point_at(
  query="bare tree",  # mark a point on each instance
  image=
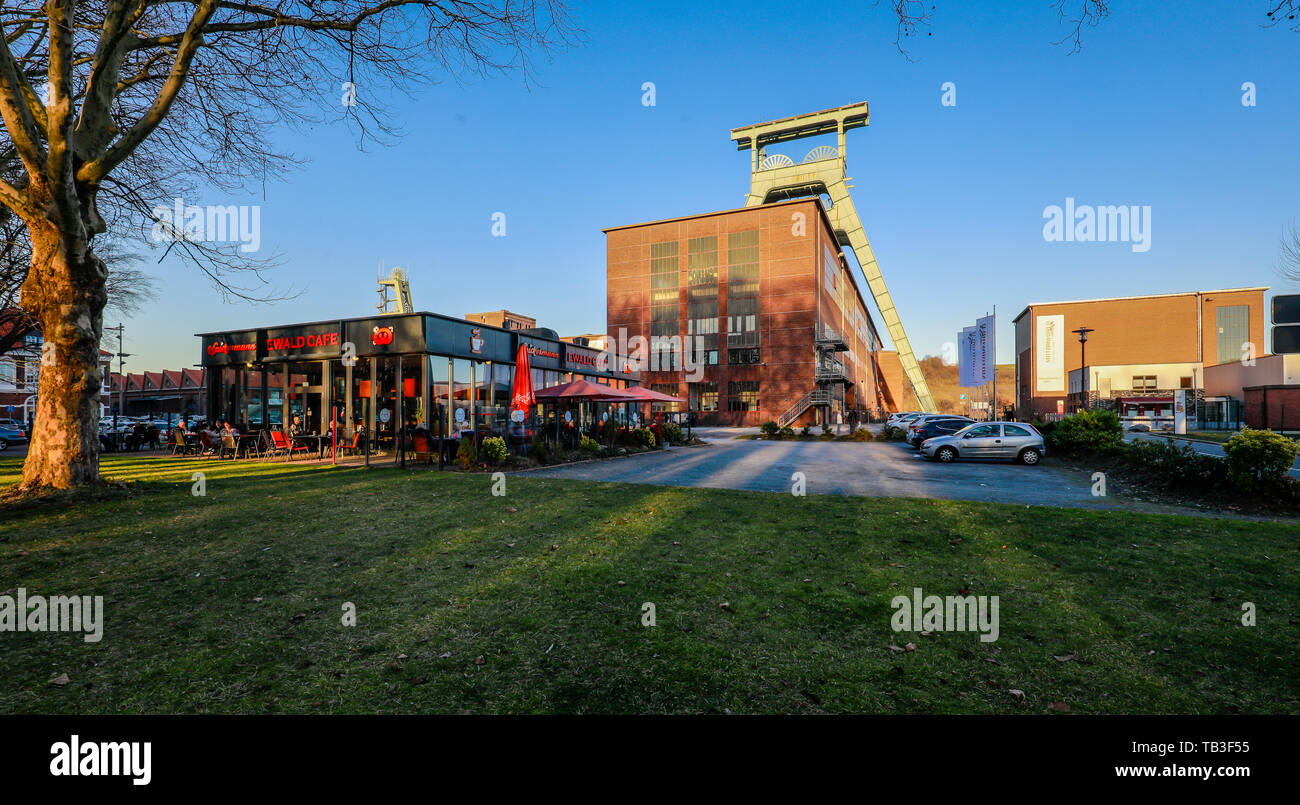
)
(1288, 260)
(113, 106)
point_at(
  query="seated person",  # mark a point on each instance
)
(295, 428)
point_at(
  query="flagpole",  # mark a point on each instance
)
(995, 361)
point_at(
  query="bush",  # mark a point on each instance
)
(1256, 457)
(466, 454)
(673, 433)
(494, 449)
(861, 435)
(644, 437)
(590, 445)
(770, 429)
(806, 432)
(1086, 431)
(537, 450)
(1177, 467)
(893, 433)
(786, 433)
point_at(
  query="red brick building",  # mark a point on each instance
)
(1139, 350)
(765, 296)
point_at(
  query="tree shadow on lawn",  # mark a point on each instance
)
(445, 573)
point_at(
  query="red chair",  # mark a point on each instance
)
(354, 447)
(282, 443)
(420, 446)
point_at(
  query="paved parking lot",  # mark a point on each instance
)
(872, 469)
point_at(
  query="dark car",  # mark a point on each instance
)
(939, 427)
(10, 435)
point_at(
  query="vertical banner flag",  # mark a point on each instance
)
(967, 352)
(985, 364)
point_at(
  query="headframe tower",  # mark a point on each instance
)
(823, 170)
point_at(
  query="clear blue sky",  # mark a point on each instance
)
(952, 199)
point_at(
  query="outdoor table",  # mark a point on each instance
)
(320, 441)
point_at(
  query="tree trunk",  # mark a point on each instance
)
(65, 291)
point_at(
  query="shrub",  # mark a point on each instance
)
(861, 435)
(537, 450)
(673, 433)
(1086, 431)
(644, 437)
(1256, 457)
(786, 432)
(494, 449)
(466, 454)
(770, 429)
(1176, 466)
(806, 432)
(590, 445)
(893, 433)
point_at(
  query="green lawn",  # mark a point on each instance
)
(532, 602)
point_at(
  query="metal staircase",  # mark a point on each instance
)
(809, 400)
(823, 170)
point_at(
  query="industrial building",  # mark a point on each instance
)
(1134, 353)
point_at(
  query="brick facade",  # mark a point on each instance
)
(1160, 329)
(793, 244)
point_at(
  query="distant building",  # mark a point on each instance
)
(170, 394)
(1265, 394)
(1139, 351)
(20, 365)
(503, 319)
(593, 340)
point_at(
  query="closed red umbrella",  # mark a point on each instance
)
(521, 390)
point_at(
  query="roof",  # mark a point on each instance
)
(1143, 296)
(607, 230)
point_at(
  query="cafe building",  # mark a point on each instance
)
(424, 370)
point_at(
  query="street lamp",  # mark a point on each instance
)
(1083, 361)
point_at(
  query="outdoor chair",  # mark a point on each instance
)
(179, 447)
(354, 446)
(269, 447)
(206, 445)
(420, 446)
(229, 444)
(288, 445)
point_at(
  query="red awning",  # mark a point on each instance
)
(1147, 400)
(584, 390)
(642, 394)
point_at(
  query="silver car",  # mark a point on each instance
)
(1006, 440)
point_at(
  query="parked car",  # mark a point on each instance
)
(1016, 441)
(10, 436)
(898, 415)
(937, 426)
(1139, 428)
(912, 427)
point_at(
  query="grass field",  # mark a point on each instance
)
(532, 602)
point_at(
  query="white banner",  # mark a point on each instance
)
(986, 351)
(966, 353)
(1049, 348)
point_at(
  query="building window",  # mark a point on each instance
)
(664, 282)
(742, 395)
(831, 271)
(1144, 382)
(1233, 329)
(665, 388)
(738, 357)
(1184, 382)
(704, 396)
(702, 292)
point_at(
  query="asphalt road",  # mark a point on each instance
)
(871, 469)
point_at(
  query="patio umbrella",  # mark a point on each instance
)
(521, 389)
(582, 390)
(643, 394)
